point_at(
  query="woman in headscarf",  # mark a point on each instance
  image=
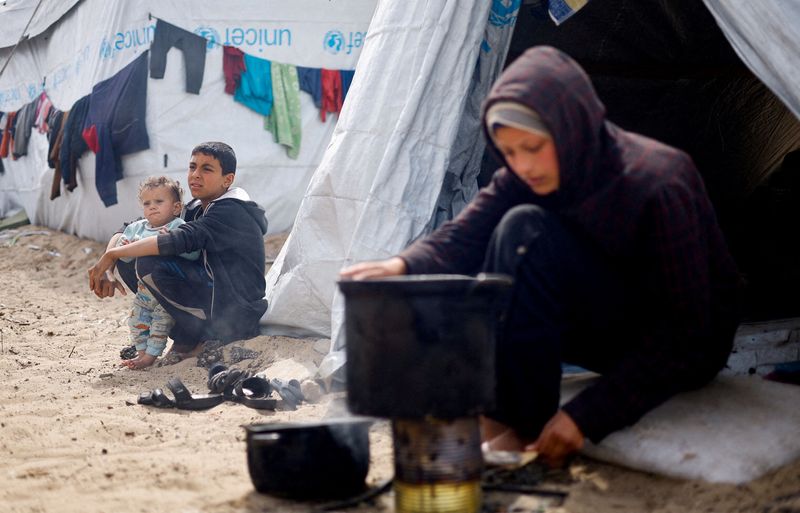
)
(619, 263)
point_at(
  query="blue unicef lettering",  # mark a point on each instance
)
(209, 33)
(333, 42)
(336, 42)
(257, 38)
(504, 12)
(142, 36)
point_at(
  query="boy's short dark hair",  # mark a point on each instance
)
(220, 151)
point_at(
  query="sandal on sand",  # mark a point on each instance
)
(184, 400)
(241, 387)
(156, 398)
(289, 391)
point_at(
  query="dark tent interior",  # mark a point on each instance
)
(664, 69)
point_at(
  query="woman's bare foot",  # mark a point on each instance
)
(142, 361)
(508, 440)
(179, 353)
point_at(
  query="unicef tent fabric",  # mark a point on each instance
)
(92, 40)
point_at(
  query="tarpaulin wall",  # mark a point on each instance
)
(385, 175)
(97, 38)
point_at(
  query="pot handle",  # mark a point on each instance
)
(490, 281)
(267, 438)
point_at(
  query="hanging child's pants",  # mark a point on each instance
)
(192, 46)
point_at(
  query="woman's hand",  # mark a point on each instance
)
(559, 438)
(394, 266)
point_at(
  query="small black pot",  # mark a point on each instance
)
(325, 460)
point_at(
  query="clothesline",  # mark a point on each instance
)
(150, 16)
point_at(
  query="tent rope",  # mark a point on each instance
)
(21, 37)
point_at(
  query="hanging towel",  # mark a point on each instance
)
(115, 124)
(192, 46)
(232, 67)
(72, 143)
(255, 87)
(331, 92)
(284, 122)
(311, 82)
(347, 79)
(22, 134)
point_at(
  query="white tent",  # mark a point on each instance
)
(72, 45)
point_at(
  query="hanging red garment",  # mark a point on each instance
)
(8, 141)
(232, 67)
(331, 92)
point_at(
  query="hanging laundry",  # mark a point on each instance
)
(331, 92)
(8, 135)
(53, 160)
(255, 86)
(115, 124)
(194, 53)
(43, 107)
(72, 144)
(284, 122)
(347, 79)
(232, 67)
(55, 126)
(311, 82)
(24, 125)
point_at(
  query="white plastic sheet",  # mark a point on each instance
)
(404, 156)
(734, 430)
(15, 15)
(377, 185)
(767, 38)
(98, 38)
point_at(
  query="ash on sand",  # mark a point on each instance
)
(70, 443)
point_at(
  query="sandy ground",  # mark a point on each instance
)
(73, 439)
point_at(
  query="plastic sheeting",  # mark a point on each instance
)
(733, 430)
(377, 186)
(767, 39)
(16, 14)
(98, 38)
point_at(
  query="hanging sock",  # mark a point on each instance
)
(331, 92)
(255, 86)
(284, 122)
(192, 46)
(232, 67)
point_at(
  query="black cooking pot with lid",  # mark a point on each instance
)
(320, 460)
(420, 345)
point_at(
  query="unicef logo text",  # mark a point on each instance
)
(209, 33)
(333, 42)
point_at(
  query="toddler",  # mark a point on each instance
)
(161, 200)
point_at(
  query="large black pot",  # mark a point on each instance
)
(325, 460)
(422, 345)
